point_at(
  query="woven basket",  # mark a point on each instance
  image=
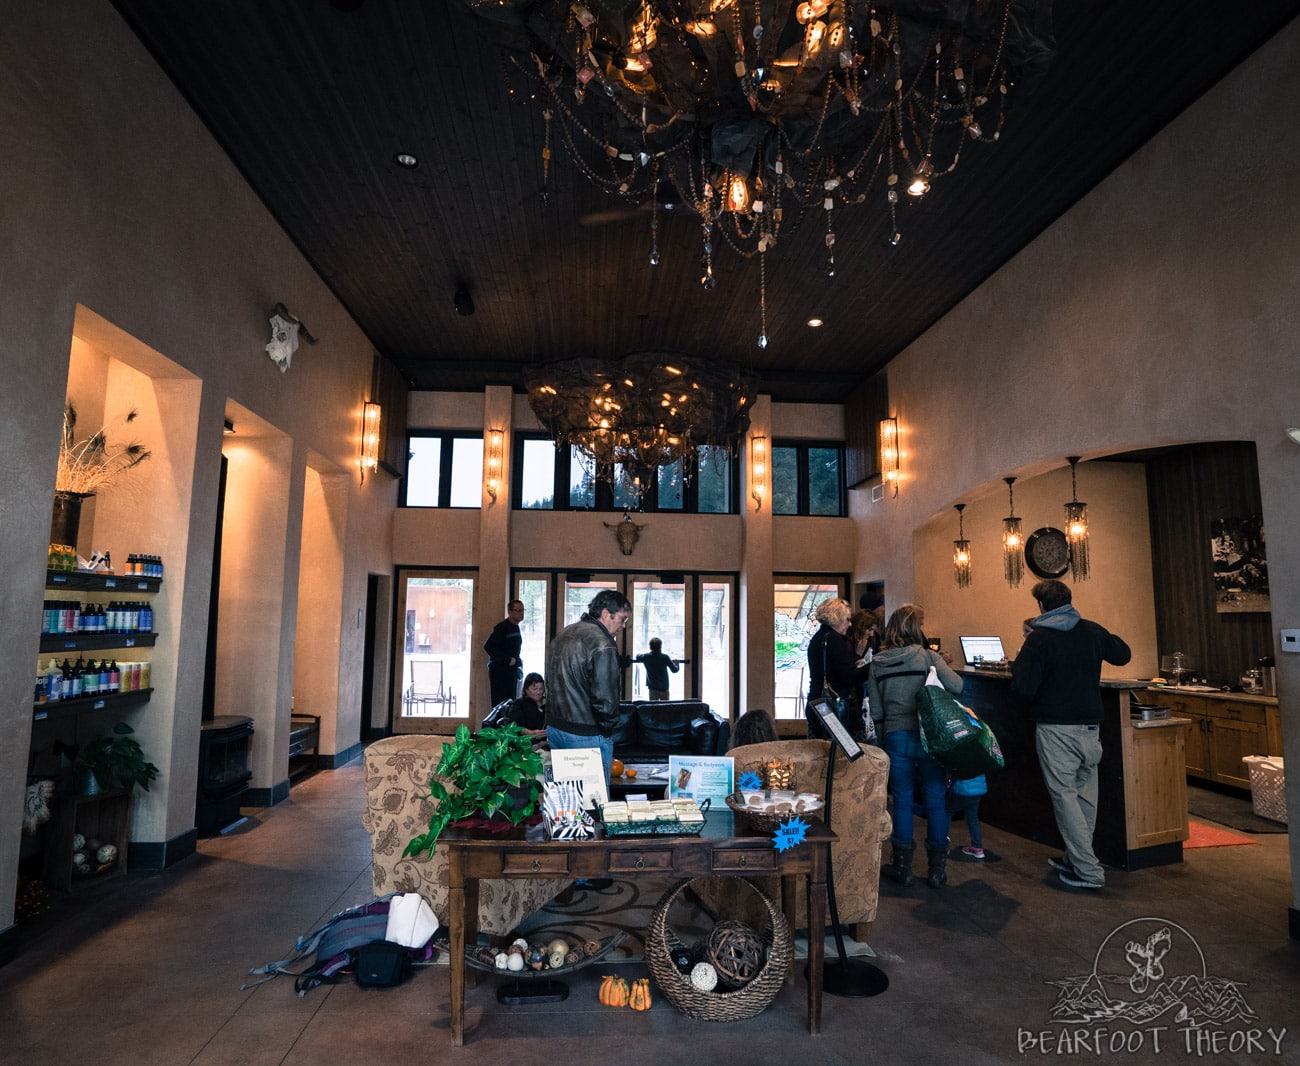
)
(718, 1006)
(765, 821)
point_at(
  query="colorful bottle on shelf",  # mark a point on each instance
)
(53, 682)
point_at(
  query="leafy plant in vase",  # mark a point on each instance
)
(492, 773)
(114, 761)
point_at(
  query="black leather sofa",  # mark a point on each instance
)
(651, 730)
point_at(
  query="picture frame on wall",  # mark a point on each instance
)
(1240, 564)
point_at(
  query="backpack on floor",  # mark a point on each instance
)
(332, 948)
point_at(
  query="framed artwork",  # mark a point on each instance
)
(1240, 565)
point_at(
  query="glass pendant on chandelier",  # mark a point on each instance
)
(961, 551)
(754, 114)
(630, 418)
(1013, 542)
(1076, 526)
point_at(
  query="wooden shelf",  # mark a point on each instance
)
(100, 581)
(45, 712)
(105, 817)
(55, 642)
(304, 743)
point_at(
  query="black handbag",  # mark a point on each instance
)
(382, 964)
(846, 709)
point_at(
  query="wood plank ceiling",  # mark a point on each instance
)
(312, 99)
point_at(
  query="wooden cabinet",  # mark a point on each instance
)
(1223, 730)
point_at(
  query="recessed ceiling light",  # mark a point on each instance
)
(405, 159)
(814, 322)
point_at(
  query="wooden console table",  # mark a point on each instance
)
(718, 850)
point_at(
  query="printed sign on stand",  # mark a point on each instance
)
(701, 777)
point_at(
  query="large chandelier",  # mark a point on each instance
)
(627, 417)
(760, 114)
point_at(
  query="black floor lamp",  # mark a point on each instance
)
(841, 976)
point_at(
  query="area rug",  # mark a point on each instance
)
(585, 913)
(1234, 811)
(1211, 836)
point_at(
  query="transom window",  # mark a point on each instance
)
(808, 478)
(444, 469)
(557, 479)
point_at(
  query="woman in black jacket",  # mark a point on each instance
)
(832, 662)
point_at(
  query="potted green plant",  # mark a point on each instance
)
(114, 761)
(494, 773)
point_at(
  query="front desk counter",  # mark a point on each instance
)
(1142, 791)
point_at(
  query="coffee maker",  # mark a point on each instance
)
(1267, 675)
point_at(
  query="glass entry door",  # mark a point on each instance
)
(693, 615)
(659, 612)
(796, 622)
(435, 609)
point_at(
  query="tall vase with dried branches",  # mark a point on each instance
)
(86, 467)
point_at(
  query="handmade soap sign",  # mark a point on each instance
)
(1240, 566)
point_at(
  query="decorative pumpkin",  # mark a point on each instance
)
(616, 768)
(613, 991)
(639, 999)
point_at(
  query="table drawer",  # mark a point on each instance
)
(539, 863)
(744, 861)
(633, 861)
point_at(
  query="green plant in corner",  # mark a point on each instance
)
(117, 760)
(487, 773)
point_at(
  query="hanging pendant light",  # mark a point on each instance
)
(1013, 542)
(1076, 527)
(961, 551)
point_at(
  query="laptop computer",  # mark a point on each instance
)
(982, 650)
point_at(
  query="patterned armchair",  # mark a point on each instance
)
(398, 769)
(858, 816)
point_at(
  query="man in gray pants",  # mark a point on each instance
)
(1058, 674)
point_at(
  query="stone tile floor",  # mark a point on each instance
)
(147, 968)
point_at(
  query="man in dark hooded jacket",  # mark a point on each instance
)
(1058, 674)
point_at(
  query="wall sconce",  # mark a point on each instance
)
(492, 465)
(759, 480)
(371, 418)
(1013, 542)
(1076, 527)
(889, 455)
(961, 551)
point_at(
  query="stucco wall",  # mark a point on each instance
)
(118, 202)
(1161, 309)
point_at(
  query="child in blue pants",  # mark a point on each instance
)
(966, 793)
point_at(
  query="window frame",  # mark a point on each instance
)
(604, 501)
(803, 502)
(446, 456)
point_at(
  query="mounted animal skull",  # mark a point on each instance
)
(627, 533)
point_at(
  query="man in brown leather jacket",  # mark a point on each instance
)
(584, 678)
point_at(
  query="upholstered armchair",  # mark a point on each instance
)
(858, 817)
(398, 807)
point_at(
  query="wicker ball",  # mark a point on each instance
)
(736, 952)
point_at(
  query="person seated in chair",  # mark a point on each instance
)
(754, 727)
(528, 712)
